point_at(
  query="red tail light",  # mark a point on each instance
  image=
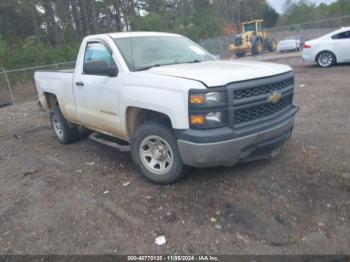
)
(307, 46)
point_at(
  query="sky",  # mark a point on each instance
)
(278, 4)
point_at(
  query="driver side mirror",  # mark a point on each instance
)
(100, 68)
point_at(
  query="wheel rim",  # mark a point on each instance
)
(156, 155)
(57, 127)
(325, 59)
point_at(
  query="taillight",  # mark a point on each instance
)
(307, 46)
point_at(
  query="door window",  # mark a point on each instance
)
(98, 60)
(97, 52)
(344, 35)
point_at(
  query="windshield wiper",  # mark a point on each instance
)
(193, 61)
(147, 67)
(155, 65)
(158, 65)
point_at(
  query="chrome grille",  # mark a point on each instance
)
(262, 90)
(255, 112)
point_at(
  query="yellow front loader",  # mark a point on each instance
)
(253, 39)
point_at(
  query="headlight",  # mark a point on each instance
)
(208, 99)
(208, 120)
(207, 108)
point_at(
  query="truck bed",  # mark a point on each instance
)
(71, 71)
(55, 82)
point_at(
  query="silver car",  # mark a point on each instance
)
(292, 43)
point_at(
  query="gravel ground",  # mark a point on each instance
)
(86, 198)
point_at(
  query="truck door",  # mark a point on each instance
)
(96, 89)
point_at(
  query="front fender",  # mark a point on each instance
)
(172, 103)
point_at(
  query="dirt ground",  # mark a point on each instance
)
(86, 198)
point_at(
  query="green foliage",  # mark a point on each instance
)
(305, 11)
(205, 22)
(149, 22)
(36, 32)
(32, 51)
(269, 15)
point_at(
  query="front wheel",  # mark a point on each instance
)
(258, 47)
(326, 59)
(240, 54)
(155, 154)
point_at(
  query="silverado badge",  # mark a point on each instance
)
(275, 97)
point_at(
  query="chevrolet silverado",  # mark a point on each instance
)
(170, 103)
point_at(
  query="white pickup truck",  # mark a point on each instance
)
(170, 102)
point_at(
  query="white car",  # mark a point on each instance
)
(330, 49)
(293, 43)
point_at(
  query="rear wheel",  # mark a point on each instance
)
(155, 154)
(272, 45)
(64, 133)
(326, 59)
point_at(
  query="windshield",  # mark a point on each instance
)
(142, 53)
(249, 27)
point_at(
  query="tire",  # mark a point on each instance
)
(271, 45)
(240, 54)
(63, 132)
(155, 154)
(326, 59)
(257, 47)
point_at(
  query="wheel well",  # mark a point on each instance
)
(136, 116)
(326, 51)
(51, 100)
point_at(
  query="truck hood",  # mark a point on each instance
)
(219, 73)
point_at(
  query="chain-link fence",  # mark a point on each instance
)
(218, 46)
(310, 30)
(306, 31)
(18, 86)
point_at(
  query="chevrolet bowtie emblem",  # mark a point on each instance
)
(275, 98)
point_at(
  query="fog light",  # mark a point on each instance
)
(197, 119)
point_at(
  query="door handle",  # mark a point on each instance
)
(80, 84)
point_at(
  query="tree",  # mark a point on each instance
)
(58, 25)
(94, 22)
(52, 26)
(76, 17)
(269, 15)
(85, 16)
(34, 16)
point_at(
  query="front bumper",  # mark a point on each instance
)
(259, 145)
(309, 55)
(308, 58)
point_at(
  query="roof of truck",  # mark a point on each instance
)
(139, 34)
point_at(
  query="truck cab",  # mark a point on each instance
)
(170, 102)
